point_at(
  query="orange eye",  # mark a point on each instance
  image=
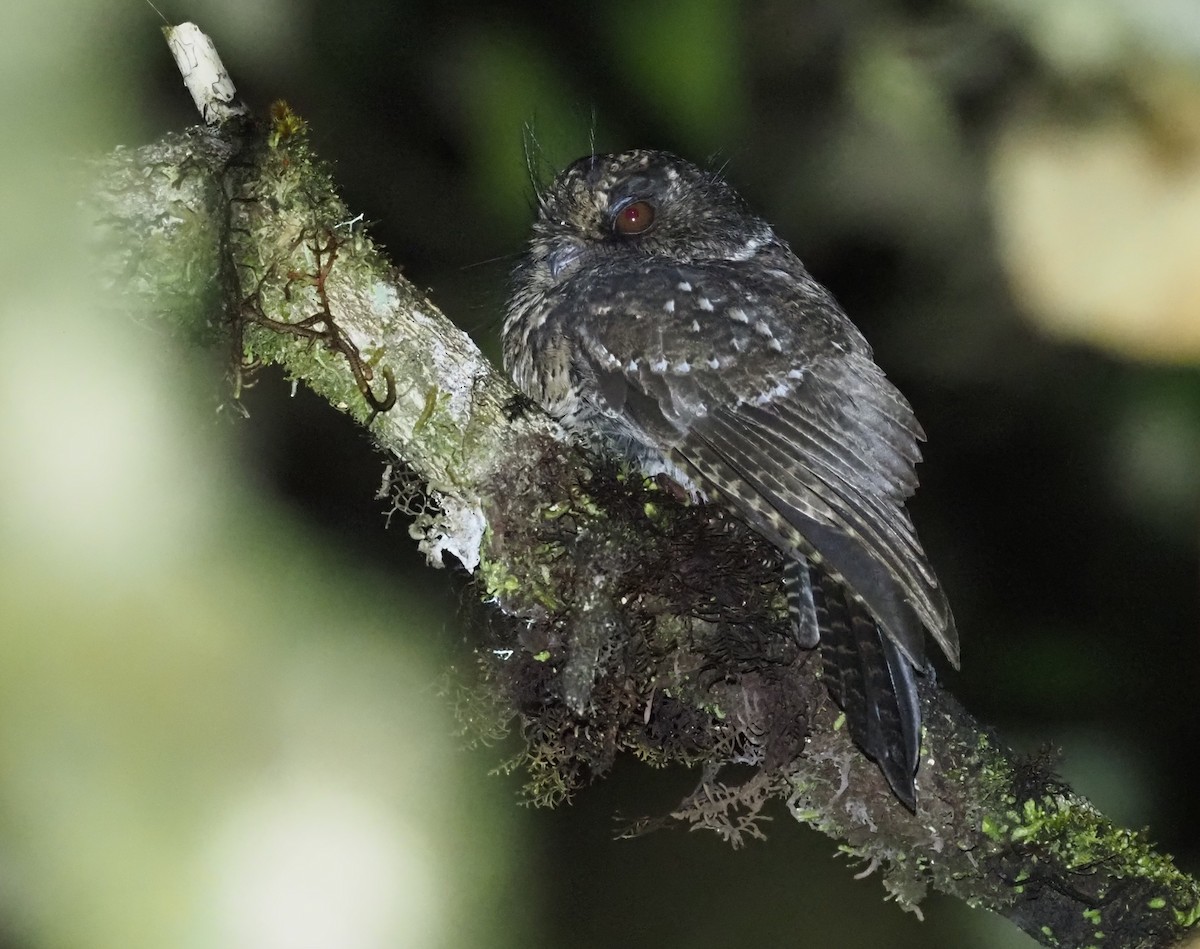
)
(635, 218)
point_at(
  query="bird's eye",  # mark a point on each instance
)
(635, 218)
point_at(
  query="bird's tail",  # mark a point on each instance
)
(873, 682)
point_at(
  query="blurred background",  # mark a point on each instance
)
(220, 717)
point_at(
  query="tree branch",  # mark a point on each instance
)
(624, 620)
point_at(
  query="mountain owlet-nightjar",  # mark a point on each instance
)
(655, 312)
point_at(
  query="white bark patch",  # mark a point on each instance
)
(454, 528)
(204, 74)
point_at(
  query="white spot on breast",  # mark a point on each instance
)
(631, 366)
(775, 345)
(659, 365)
(762, 329)
(739, 343)
(773, 394)
(713, 362)
(738, 315)
(695, 326)
(705, 304)
(607, 359)
(669, 306)
(682, 368)
(795, 374)
(684, 286)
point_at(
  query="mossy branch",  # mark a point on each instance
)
(626, 621)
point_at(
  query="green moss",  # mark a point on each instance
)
(520, 588)
(1187, 916)
(1068, 832)
(432, 397)
(287, 128)
(992, 829)
(552, 512)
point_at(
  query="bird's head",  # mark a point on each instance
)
(641, 203)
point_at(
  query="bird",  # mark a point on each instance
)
(656, 315)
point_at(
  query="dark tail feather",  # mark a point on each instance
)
(874, 684)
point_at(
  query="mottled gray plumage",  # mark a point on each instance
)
(698, 346)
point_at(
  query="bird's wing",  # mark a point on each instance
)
(764, 392)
